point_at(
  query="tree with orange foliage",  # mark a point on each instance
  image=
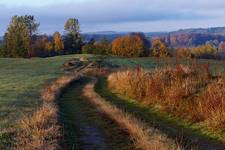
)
(57, 42)
(128, 46)
(183, 53)
(159, 49)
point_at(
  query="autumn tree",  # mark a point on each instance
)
(204, 51)
(73, 39)
(128, 46)
(17, 38)
(183, 53)
(57, 42)
(159, 49)
(42, 46)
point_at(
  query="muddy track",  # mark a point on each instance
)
(144, 137)
(89, 125)
(84, 126)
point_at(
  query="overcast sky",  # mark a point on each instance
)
(117, 15)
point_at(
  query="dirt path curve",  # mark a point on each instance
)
(145, 138)
(84, 127)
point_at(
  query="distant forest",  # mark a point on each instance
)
(180, 38)
(22, 39)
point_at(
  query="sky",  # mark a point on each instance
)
(117, 15)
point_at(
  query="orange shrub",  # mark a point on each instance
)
(183, 53)
(128, 46)
(187, 92)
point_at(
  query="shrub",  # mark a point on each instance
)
(186, 92)
(183, 53)
(159, 49)
(129, 46)
(88, 49)
(102, 47)
(204, 51)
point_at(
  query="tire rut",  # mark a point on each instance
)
(84, 127)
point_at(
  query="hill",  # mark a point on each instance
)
(181, 38)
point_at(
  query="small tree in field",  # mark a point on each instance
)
(183, 53)
(57, 42)
(73, 39)
(128, 46)
(159, 49)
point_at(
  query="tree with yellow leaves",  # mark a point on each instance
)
(204, 51)
(57, 42)
(159, 49)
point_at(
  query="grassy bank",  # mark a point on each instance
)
(190, 135)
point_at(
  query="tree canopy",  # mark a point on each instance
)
(128, 46)
(17, 38)
(73, 39)
(57, 42)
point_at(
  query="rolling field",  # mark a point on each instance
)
(21, 81)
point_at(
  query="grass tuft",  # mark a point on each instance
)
(41, 130)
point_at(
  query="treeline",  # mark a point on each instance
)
(137, 45)
(22, 39)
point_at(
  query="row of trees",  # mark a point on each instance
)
(203, 51)
(136, 45)
(22, 39)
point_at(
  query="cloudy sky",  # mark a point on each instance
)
(117, 15)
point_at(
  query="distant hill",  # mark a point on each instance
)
(180, 38)
(216, 31)
(104, 34)
(191, 39)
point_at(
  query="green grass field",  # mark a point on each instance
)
(20, 83)
(22, 79)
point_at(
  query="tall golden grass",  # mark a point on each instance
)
(187, 92)
(41, 130)
(144, 137)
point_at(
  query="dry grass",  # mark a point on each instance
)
(41, 130)
(144, 137)
(211, 105)
(187, 92)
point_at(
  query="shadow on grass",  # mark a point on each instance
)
(186, 134)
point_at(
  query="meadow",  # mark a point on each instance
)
(21, 81)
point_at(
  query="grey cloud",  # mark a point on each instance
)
(102, 13)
